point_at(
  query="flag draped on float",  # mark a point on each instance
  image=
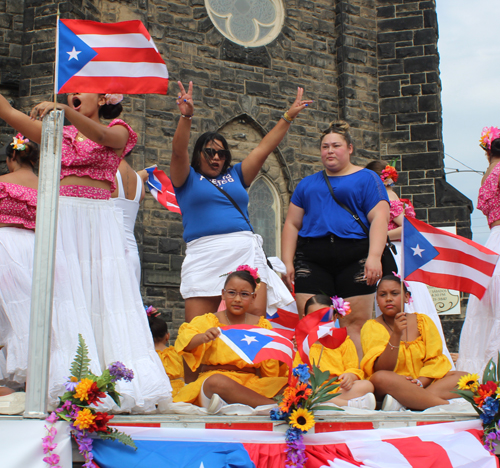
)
(318, 326)
(161, 188)
(439, 258)
(255, 344)
(95, 57)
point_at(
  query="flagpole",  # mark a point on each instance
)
(403, 267)
(320, 354)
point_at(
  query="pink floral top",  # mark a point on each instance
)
(489, 196)
(397, 207)
(18, 205)
(87, 158)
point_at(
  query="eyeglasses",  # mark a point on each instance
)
(245, 295)
(222, 153)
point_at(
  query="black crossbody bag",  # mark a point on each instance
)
(388, 263)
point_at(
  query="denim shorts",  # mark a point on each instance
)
(331, 265)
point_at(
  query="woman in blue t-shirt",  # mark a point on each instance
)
(218, 234)
(325, 250)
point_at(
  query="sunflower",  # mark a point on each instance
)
(468, 382)
(302, 419)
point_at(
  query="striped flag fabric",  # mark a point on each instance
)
(160, 186)
(438, 258)
(284, 319)
(318, 326)
(97, 57)
(255, 344)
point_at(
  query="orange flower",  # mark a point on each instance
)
(302, 392)
(85, 419)
(483, 394)
(83, 388)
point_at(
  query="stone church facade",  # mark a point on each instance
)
(373, 63)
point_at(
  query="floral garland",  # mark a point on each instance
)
(19, 142)
(306, 393)
(82, 390)
(485, 398)
(487, 136)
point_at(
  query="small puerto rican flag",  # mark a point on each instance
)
(255, 344)
(161, 188)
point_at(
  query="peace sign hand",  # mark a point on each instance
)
(185, 100)
(298, 105)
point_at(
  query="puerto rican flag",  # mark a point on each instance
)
(160, 186)
(438, 258)
(255, 344)
(446, 445)
(284, 319)
(95, 57)
(318, 326)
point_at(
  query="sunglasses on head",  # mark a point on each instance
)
(222, 153)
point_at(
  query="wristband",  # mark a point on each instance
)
(189, 117)
(392, 347)
(287, 118)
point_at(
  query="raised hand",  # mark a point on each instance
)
(298, 104)
(185, 99)
(42, 109)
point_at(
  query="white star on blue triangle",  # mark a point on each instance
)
(249, 342)
(68, 42)
(417, 249)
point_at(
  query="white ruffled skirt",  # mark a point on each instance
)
(421, 302)
(110, 313)
(480, 337)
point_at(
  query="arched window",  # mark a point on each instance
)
(264, 210)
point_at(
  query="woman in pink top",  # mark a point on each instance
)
(91, 239)
(421, 300)
(480, 337)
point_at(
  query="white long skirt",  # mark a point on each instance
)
(91, 240)
(480, 337)
(209, 258)
(421, 302)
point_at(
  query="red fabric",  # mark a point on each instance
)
(422, 454)
(319, 455)
(267, 455)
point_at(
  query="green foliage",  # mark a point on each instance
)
(125, 439)
(80, 365)
(490, 372)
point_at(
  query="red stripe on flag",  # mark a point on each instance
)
(119, 85)
(448, 282)
(421, 454)
(241, 426)
(93, 27)
(286, 318)
(341, 426)
(456, 256)
(130, 54)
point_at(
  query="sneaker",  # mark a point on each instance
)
(367, 402)
(216, 403)
(391, 404)
(13, 403)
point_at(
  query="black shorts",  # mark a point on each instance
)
(331, 265)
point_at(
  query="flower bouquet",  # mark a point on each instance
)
(84, 389)
(484, 397)
(306, 393)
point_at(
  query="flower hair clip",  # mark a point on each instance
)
(254, 273)
(340, 306)
(487, 136)
(407, 285)
(151, 311)
(389, 174)
(113, 99)
(19, 142)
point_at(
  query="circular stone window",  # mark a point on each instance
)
(250, 23)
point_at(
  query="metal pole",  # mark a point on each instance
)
(42, 290)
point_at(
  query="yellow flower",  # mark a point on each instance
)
(468, 382)
(82, 389)
(302, 419)
(85, 419)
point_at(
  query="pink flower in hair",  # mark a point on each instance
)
(487, 136)
(113, 98)
(254, 272)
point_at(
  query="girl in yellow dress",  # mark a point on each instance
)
(403, 355)
(341, 362)
(224, 377)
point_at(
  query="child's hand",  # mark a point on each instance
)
(400, 323)
(415, 381)
(347, 380)
(211, 334)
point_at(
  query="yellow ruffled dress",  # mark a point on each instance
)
(217, 352)
(337, 361)
(174, 368)
(422, 357)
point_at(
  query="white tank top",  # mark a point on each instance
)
(130, 208)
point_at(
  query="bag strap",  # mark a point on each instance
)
(354, 215)
(233, 202)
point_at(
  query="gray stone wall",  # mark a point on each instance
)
(373, 63)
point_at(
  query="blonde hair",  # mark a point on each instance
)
(340, 127)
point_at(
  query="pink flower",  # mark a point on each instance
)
(48, 446)
(52, 418)
(113, 98)
(52, 460)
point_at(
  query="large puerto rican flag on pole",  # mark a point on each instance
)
(108, 58)
(255, 344)
(160, 186)
(438, 258)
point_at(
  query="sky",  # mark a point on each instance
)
(469, 49)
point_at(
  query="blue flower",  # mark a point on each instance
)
(276, 414)
(293, 434)
(302, 372)
(490, 410)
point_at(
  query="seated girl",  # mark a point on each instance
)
(170, 359)
(224, 377)
(341, 362)
(403, 354)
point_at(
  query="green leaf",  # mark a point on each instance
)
(119, 436)
(490, 371)
(115, 395)
(327, 407)
(80, 365)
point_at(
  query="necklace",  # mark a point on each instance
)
(229, 322)
(390, 328)
(80, 137)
